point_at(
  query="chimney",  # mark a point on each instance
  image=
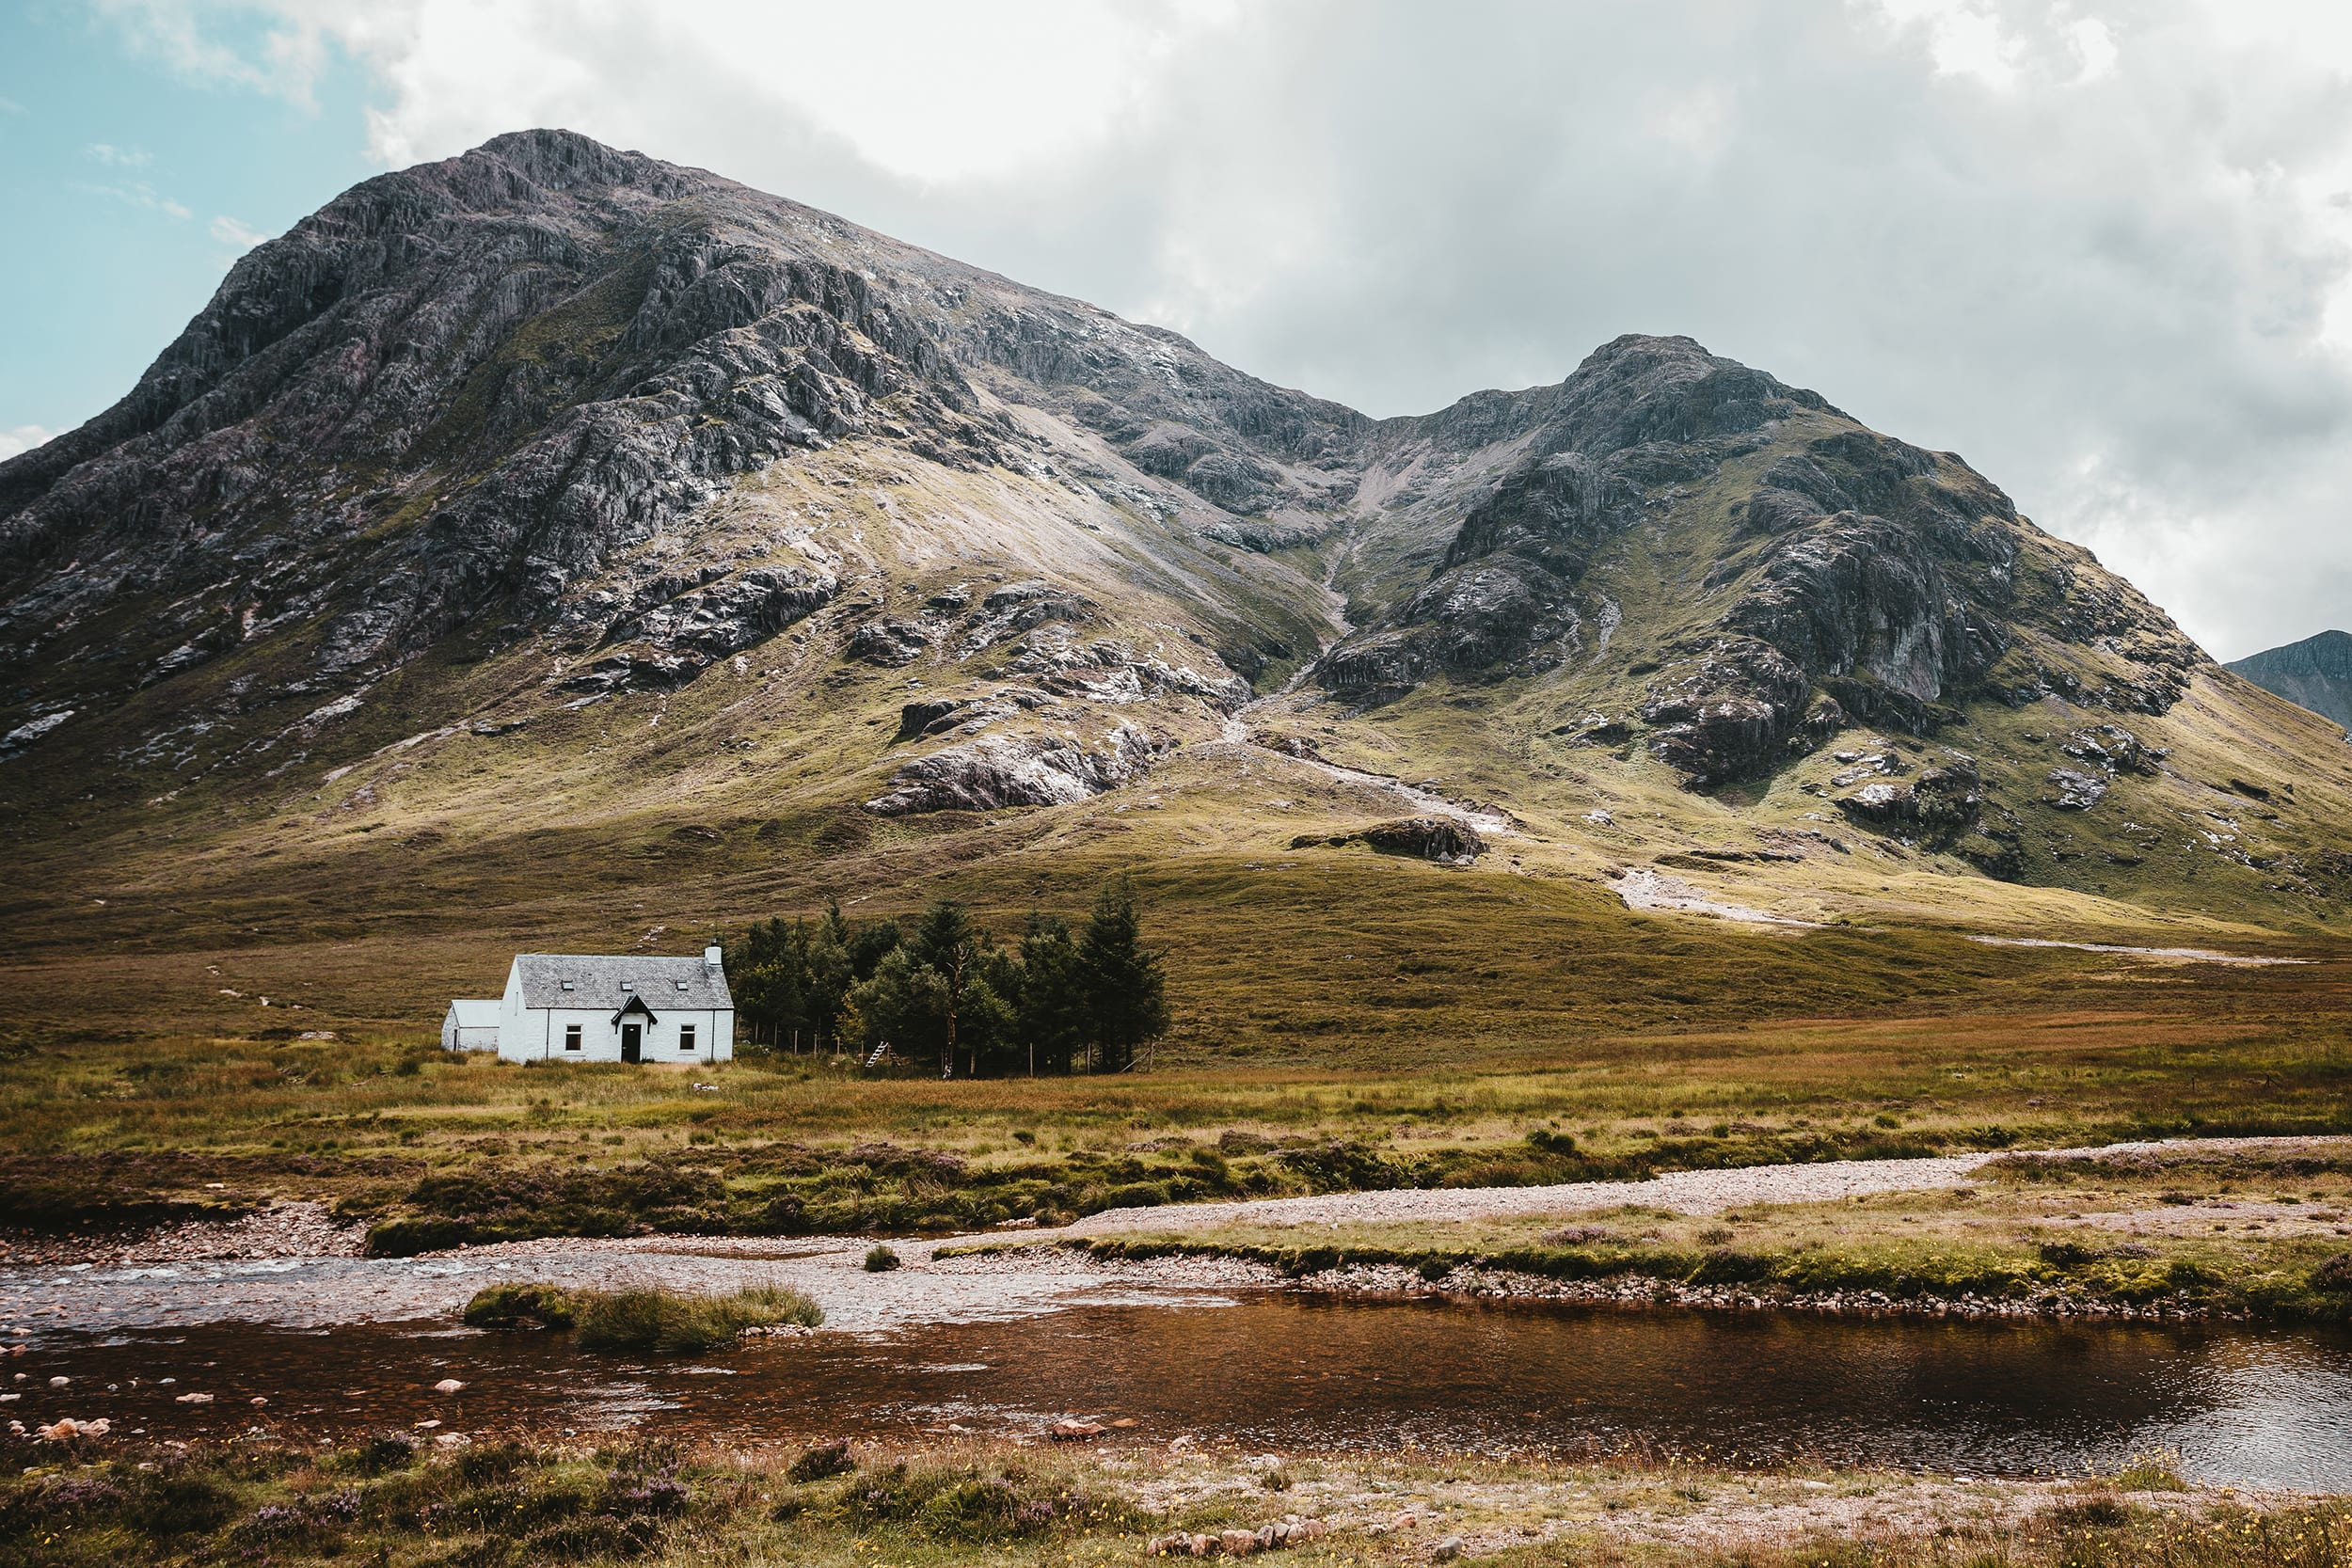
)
(710, 957)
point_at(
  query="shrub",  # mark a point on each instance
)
(956, 1503)
(1135, 1194)
(530, 1305)
(880, 1259)
(386, 1451)
(2334, 1275)
(825, 1460)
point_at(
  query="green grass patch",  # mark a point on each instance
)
(643, 1320)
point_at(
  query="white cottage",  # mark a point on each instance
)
(473, 1024)
(561, 1008)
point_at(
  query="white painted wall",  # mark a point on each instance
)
(537, 1033)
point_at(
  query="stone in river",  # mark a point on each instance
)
(446, 1386)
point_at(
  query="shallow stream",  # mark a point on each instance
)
(1277, 1371)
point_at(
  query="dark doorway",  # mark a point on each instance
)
(632, 1041)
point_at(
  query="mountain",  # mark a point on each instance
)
(554, 538)
(2315, 673)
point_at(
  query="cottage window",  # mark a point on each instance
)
(571, 1037)
(628, 984)
(686, 1036)
(682, 985)
(565, 984)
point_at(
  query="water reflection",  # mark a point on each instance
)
(2258, 1407)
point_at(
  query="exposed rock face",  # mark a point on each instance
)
(459, 397)
(2315, 673)
(1859, 580)
(996, 771)
(468, 384)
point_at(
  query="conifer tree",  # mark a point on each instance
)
(1125, 988)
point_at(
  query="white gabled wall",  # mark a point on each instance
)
(537, 1033)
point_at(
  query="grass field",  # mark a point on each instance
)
(1389, 1045)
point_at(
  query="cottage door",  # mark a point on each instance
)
(632, 1041)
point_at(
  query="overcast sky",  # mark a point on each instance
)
(2099, 248)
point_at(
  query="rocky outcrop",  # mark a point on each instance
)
(1447, 840)
(1941, 804)
(996, 771)
(1730, 712)
(2113, 750)
(731, 614)
(2072, 790)
(1020, 607)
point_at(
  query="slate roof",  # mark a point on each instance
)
(596, 981)
(475, 1012)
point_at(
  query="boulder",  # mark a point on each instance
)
(1447, 840)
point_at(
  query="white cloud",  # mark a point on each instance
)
(2103, 247)
(24, 438)
(2094, 45)
(117, 157)
(271, 46)
(229, 232)
(138, 193)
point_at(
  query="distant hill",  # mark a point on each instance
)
(2315, 673)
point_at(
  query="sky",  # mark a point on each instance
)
(2102, 249)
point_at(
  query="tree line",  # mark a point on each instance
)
(947, 993)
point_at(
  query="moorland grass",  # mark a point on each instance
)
(524, 1504)
(432, 1150)
(2017, 1233)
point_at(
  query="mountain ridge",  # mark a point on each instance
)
(552, 490)
(2315, 673)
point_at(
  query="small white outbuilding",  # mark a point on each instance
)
(586, 1007)
(473, 1024)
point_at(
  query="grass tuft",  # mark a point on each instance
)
(644, 1320)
